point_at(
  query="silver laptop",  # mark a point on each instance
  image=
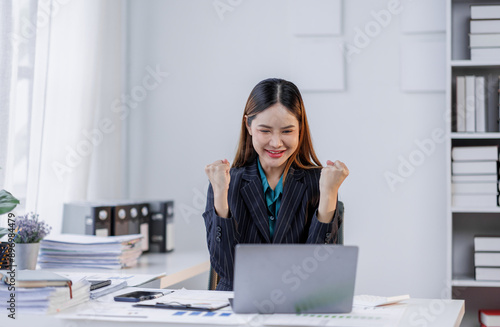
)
(294, 278)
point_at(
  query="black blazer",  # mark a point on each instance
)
(248, 218)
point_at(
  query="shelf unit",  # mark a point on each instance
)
(464, 223)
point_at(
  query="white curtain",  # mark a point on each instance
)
(6, 65)
(81, 141)
(76, 144)
(17, 57)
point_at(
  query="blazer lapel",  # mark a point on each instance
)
(253, 195)
(292, 196)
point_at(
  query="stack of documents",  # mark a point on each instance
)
(42, 300)
(105, 309)
(113, 287)
(88, 251)
(118, 280)
(194, 307)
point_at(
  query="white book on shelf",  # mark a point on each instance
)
(479, 26)
(480, 105)
(475, 188)
(474, 200)
(470, 103)
(460, 104)
(487, 259)
(473, 178)
(474, 167)
(488, 273)
(487, 243)
(485, 40)
(484, 54)
(485, 11)
(480, 153)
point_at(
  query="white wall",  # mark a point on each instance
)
(193, 117)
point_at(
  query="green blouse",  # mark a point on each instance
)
(273, 198)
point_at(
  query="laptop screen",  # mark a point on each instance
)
(294, 278)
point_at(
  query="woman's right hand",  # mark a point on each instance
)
(218, 174)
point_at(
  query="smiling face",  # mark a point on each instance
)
(275, 137)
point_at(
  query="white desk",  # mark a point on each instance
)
(182, 265)
(420, 312)
(431, 313)
(179, 265)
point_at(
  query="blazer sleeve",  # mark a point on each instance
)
(220, 238)
(326, 233)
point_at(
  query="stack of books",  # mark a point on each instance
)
(40, 292)
(474, 176)
(88, 251)
(471, 104)
(489, 318)
(487, 257)
(484, 32)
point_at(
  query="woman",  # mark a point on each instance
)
(276, 190)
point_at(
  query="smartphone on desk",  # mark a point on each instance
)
(138, 296)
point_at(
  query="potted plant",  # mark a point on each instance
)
(7, 203)
(31, 231)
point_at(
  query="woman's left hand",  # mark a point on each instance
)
(332, 176)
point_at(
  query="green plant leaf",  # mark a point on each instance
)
(3, 232)
(7, 202)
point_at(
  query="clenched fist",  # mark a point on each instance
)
(218, 174)
(332, 176)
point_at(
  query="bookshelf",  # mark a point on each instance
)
(465, 222)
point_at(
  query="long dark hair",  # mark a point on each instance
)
(264, 95)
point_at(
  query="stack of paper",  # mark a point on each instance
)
(108, 310)
(105, 309)
(88, 251)
(42, 300)
(389, 315)
(113, 287)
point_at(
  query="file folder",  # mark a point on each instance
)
(144, 225)
(169, 227)
(88, 218)
(161, 228)
(121, 219)
(133, 224)
(139, 217)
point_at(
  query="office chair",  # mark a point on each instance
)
(213, 278)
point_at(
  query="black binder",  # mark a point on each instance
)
(121, 219)
(144, 225)
(133, 223)
(88, 218)
(161, 226)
